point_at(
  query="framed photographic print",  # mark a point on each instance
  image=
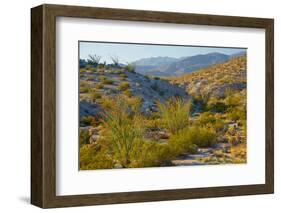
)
(137, 106)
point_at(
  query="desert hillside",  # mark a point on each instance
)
(219, 101)
(215, 80)
(128, 119)
(100, 83)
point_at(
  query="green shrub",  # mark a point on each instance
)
(107, 81)
(95, 96)
(86, 120)
(89, 67)
(206, 118)
(124, 86)
(93, 156)
(128, 93)
(118, 71)
(149, 154)
(123, 78)
(84, 89)
(100, 66)
(218, 125)
(90, 78)
(186, 140)
(82, 70)
(217, 107)
(202, 136)
(182, 142)
(102, 78)
(134, 104)
(123, 75)
(83, 137)
(231, 99)
(236, 114)
(107, 103)
(174, 114)
(156, 78)
(93, 70)
(100, 70)
(123, 131)
(99, 86)
(130, 68)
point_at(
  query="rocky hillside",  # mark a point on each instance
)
(97, 83)
(129, 120)
(215, 80)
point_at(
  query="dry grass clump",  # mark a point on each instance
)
(93, 156)
(128, 93)
(124, 86)
(85, 87)
(174, 114)
(107, 81)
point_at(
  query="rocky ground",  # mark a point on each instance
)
(206, 156)
(114, 82)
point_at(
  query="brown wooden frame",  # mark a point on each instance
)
(43, 105)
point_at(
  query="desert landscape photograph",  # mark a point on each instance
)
(157, 105)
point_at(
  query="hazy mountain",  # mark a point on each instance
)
(167, 66)
(145, 65)
(242, 53)
(155, 61)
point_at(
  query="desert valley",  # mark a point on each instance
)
(163, 111)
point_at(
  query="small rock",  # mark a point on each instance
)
(95, 130)
(138, 84)
(163, 135)
(118, 166)
(94, 138)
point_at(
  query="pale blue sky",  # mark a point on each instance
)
(132, 52)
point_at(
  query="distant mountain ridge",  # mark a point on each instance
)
(155, 61)
(168, 66)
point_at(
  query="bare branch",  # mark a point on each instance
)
(115, 60)
(94, 59)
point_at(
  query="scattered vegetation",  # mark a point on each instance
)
(107, 81)
(95, 95)
(95, 157)
(123, 135)
(128, 93)
(84, 87)
(124, 86)
(99, 86)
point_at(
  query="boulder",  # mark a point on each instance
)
(95, 130)
(94, 138)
